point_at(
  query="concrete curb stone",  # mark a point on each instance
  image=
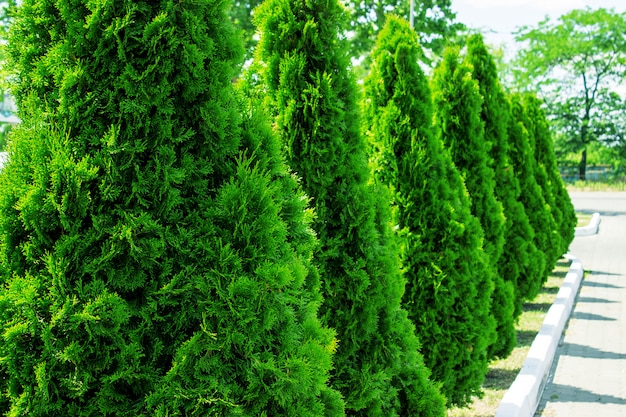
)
(591, 228)
(522, 398)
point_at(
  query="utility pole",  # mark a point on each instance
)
(412, 13)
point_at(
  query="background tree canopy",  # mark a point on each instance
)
(577, 64)
(434, 22)
(5, 15)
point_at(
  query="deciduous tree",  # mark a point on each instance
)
(576, 63)
(434, 20)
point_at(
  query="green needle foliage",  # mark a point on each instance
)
(448, 291)
(155, 250)
(533, 126)
(523, 160)
(554, 190)
(458, 115)
(518, 262)
(377, 365)
(528, 115)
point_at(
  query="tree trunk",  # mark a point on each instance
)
(582, 166)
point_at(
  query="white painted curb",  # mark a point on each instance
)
(522, 398)
(591, 228)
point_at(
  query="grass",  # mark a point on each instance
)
(596, 186)
(583, 219)
(502, 372)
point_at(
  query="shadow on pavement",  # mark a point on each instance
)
(610, 274)
(594, 300)
(599, 284)
(567, 393)
(591, 316)
(583, 351)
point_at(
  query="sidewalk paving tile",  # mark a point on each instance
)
(588, 375)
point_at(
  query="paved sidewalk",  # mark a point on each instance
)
(588, 376)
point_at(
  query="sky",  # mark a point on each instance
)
(499, 18)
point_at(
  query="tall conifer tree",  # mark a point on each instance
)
(458, 107)
(378, 367)
(156, 259)
(527, 115)
(522, 158)
(518, 262)
(554, 189)
(449, 291)
(533, 126)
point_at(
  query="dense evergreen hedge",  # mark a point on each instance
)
(519, 259)
(522, 157)
(458, 114)
(550, 181)
(377, 365)
(448, 293)
(533, 125)
(155, 252)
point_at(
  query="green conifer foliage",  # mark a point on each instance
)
(458, 110)
(377, 365)
(554, 189)
(530, 117)
(533, 127)
(448, 290)
(155, 251)
(522, 157)
(518, 261)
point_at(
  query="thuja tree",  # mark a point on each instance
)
(533, 127)
(155, 256)
(554, 242)
(522, 158)
(518, 262)
(377, 364)
(458, 107)
(448, 289)
(554, 190)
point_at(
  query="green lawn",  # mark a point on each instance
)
(596, 186)
(583, 219)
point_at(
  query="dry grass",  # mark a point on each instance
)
(583, 219)
(596, 186)
(502, 372)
